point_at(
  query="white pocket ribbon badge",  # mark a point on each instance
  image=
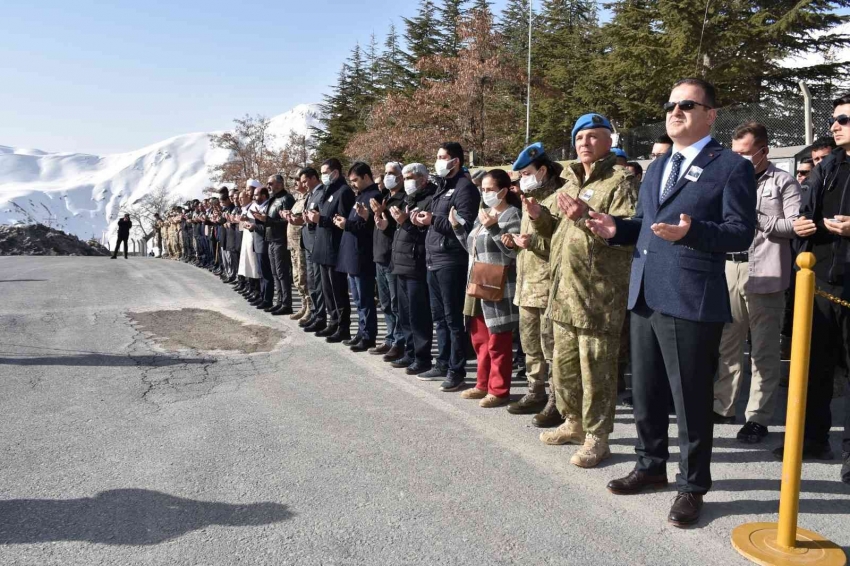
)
(693, 173)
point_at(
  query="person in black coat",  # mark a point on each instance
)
(275, 227)
(447, 264)
(355, 255)
(408, 265)
(309, 177)
(824, 230)
(696, 204)
(124, 226)
(382, 247)
(337, 200)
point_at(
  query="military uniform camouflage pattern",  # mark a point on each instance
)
(587, 304)
(532, 293)
(298, 254)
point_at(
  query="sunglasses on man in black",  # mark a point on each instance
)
(842, 120)
(685, 105)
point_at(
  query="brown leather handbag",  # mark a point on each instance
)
(486, 280)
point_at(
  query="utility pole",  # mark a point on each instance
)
(528, 85)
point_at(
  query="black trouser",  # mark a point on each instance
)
(788, 315)
(830, 341)
(335, 292)
(118, 243)
(447, 289)
(314, 285)
(414, 315)
(673, 356)
(281, 261)
(233, 272)
(266, 276)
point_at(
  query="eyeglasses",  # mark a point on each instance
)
(842, 120)
(685, 105)
(803, 173)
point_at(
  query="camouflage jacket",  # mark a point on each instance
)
(293, 232)
(590, 279)
(532, 280)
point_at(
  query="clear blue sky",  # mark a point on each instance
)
(104, 77)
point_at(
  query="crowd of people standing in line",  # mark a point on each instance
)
(594, 265)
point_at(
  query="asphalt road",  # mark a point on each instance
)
(115, 450)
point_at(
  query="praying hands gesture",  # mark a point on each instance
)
(488, 219)
(339, 222)
(572, 208)
(400, 216)
(672, 232)
(840, 225)
(361, 210)
(531, 207)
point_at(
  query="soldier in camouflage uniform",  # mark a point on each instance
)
(297, 252)
(540, 178)
(590, 281)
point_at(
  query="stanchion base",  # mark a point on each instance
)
(757, 542)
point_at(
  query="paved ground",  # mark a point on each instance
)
(116, 451)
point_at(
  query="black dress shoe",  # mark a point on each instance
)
(282, 311)
(352, 341)
(636, 482)
(380, 350)
(259, 301)
(402, 362)
(316, 327)
(339, 336)
(720, 419)
(305, 323)
(415, 368)
(752, 433)
(329, 330)
(362, 346)
(685, 509)
(394, 353)
(267, 307)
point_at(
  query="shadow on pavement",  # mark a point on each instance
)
(125, 516)
(103, 360)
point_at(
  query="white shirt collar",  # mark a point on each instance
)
(690, 152)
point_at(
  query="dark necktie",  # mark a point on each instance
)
(674, 175)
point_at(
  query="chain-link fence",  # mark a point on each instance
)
(785, 121)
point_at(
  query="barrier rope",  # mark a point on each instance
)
(832, 298)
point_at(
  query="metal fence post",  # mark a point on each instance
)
(807, 113)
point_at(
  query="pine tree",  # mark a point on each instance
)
(513, 25)
(393, 74)
(422, 36)
(451, 15)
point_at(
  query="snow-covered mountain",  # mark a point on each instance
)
(81, 194)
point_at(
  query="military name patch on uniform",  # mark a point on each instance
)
(693, 173)
(586, 195)
(450, 193)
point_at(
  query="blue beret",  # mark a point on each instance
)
(589, 122)
(619, 152)
(528, 155)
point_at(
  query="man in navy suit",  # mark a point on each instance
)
(697, 203)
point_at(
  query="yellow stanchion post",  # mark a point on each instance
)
(783, 543)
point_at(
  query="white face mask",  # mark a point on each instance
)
(491, 199)
(529, 183)
(410, 186)
(442, 167)
(327, 178)
(749, 158)
(390, 181)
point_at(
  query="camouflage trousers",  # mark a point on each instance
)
(584, 376)
(299, 274)
(535, 334)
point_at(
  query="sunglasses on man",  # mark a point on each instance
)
(803, 173)
(842, 120)
(685, 105)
